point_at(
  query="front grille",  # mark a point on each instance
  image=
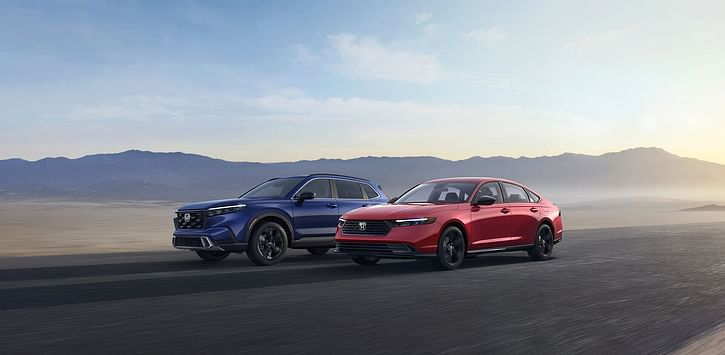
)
(197, 219)
(376, 249)
(366, 227)
(194, 242)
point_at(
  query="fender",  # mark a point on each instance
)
(278, 214)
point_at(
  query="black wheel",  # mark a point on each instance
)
(209, 255)
(543, 244)
(365, 260)
(268, 244)
(318, 251)
(451, 249)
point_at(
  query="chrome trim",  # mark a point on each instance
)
(242, 205)
(206, 244)
(184, 211)
(333, 198)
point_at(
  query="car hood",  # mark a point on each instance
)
(398, 211)
(213, 203)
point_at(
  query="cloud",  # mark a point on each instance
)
(422, 18)
(367, 59)
(302, 53)
(489, 37)
(431, 28)
(601, 39)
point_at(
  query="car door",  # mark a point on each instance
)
(350, 195)
(523, 215)
(489, 224)
(316, 217)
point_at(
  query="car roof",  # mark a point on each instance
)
(328, 175)
(474, 180)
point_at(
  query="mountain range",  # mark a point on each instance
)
(143, 175)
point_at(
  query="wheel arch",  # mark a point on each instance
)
(460, 225)
(547, 222)
(272, 216)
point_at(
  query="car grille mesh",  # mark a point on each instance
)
(366, 227)
(197, 219)
(194, 242)
(375, 249)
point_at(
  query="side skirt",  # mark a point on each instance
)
(503, 249)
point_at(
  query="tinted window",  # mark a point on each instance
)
(515, 194)
(490, 189)
(348, 189)
(441, 192)
(278, 188)
(320, 187)
(370, 191)
(534, 197)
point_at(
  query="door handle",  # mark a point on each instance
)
(332, 205)
(534, 209)
(505, 210)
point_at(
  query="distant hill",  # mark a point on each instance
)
(141, 175)
(706, 208)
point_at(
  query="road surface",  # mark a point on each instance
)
(628, 290)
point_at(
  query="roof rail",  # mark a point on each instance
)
(339, 175)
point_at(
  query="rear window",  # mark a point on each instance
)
(534, 197)
(515, 194)
(370, 191)
(348, 189)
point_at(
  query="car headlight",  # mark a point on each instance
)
(413, 221)
(340, 222)
(224, 210)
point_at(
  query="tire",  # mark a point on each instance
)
(451, 249)
(208, 255)
(365, 260)
(318, 251)
(268, 244)
(543, 244)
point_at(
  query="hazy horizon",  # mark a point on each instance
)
(361, 156)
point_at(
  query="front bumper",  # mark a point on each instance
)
(381, 250)
(205, 243)
(399, 243)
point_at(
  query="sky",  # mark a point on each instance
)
(290, 80)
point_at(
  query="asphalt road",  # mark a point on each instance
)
(628, 291)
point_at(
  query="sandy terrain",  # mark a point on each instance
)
(55, 227)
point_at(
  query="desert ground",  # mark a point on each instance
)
(30, 228)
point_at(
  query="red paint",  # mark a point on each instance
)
(501, 225)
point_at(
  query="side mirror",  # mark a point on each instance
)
(485, 201)
(392, 200)
(307, 195)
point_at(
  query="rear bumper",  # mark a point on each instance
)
(205, 243)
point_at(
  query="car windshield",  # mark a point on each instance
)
(438, 192)
(277, 188)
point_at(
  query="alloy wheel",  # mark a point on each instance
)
(270, 243)
(452, 247)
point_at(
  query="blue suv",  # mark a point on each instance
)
(299, 212)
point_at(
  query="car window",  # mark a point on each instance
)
(320, 187)
(490, 189)
(515, 194)
(532, 196)
(370, 191)
(273, 188)
(348, 189)
(438, 192)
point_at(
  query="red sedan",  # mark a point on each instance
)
(448, 219)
